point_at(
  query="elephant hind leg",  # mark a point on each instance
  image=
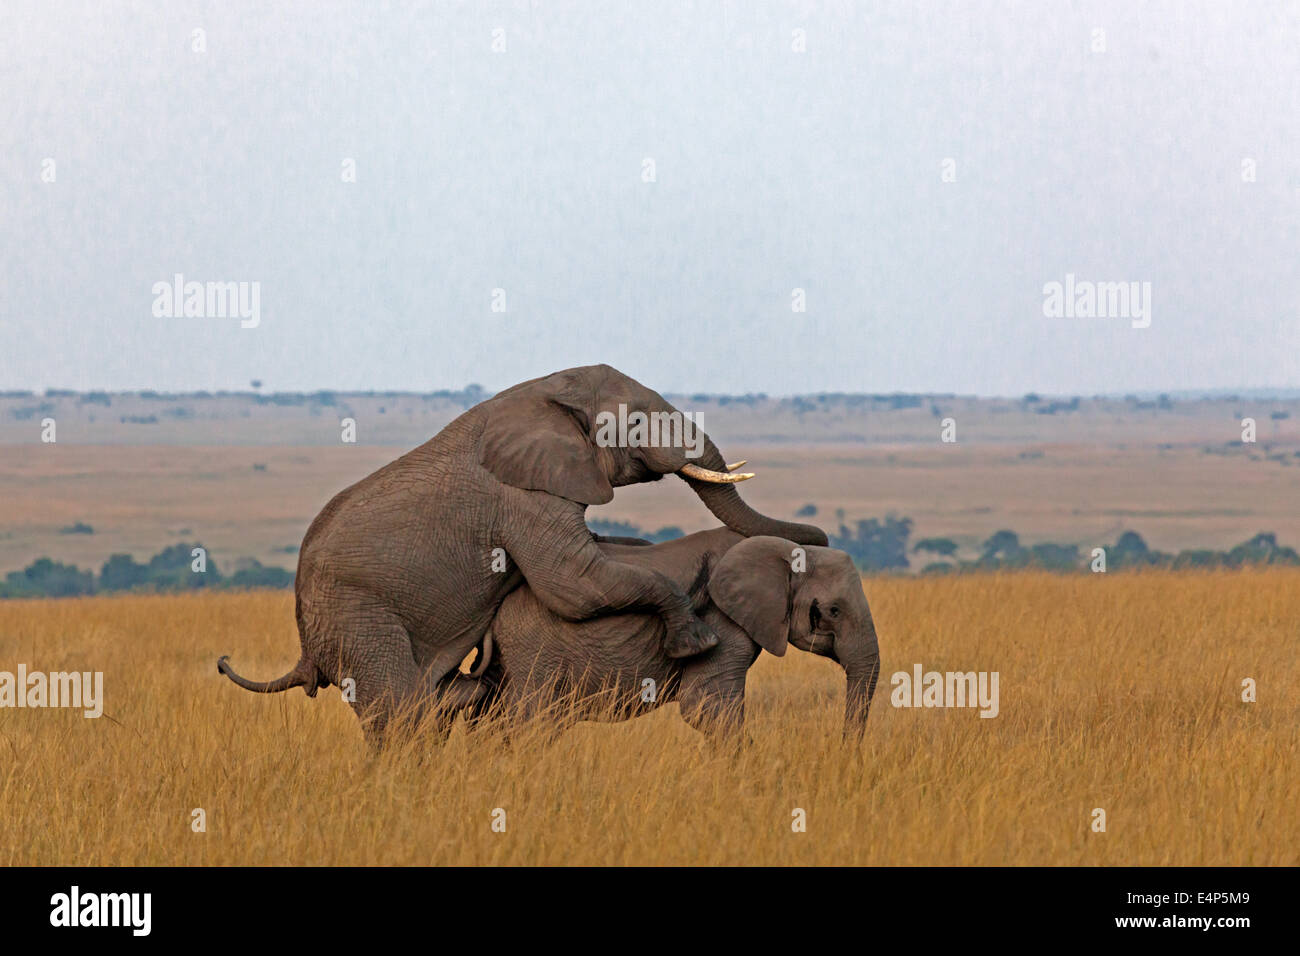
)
(380, 679)
(485, 711)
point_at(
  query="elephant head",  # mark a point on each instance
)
(780, 592)
(574, 434)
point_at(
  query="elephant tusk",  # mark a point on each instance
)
(714, 477)
(484, 657)
(742, 462)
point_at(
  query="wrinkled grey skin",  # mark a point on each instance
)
(747, 591)
(395, 583)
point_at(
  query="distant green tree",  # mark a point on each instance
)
(625, 529)
(121, 572)
(258, 575)
(1055, 557)
(1261, 549)
(1131, 551)
(944, 547)
(807, 511)
(876, 545)
(1003, 549)
(614, 529)
(171, 569)
(45, 577)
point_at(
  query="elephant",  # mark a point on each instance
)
(758, 594)
(400, 574)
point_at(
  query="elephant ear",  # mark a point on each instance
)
(752, 586)
(535, 437)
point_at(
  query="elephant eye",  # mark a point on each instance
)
(835, 611)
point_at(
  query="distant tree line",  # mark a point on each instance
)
(169, 570)
(874, 544)
(1003, 551)
(883, 545)
(625, 529)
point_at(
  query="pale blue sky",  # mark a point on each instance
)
(775, 170)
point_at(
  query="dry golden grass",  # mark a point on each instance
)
(1118, 691)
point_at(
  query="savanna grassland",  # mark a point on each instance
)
(244, 474)
(1118, 691)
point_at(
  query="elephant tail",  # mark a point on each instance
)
(304, 675)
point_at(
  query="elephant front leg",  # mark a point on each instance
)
(719, 717)
(713, 694)
(570, 574)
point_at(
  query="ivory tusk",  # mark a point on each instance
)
(713, 477)
(484, 657)
(742, 462)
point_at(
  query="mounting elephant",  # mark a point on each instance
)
(401, 573)
(756, 593)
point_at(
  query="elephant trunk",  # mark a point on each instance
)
(862, 671)
(729, 508)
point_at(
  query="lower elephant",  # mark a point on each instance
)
(759, 593)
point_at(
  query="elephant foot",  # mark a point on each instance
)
(696, 638)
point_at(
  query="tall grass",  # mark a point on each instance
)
(1120, 692)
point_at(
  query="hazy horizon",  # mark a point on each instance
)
(1192, 394)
